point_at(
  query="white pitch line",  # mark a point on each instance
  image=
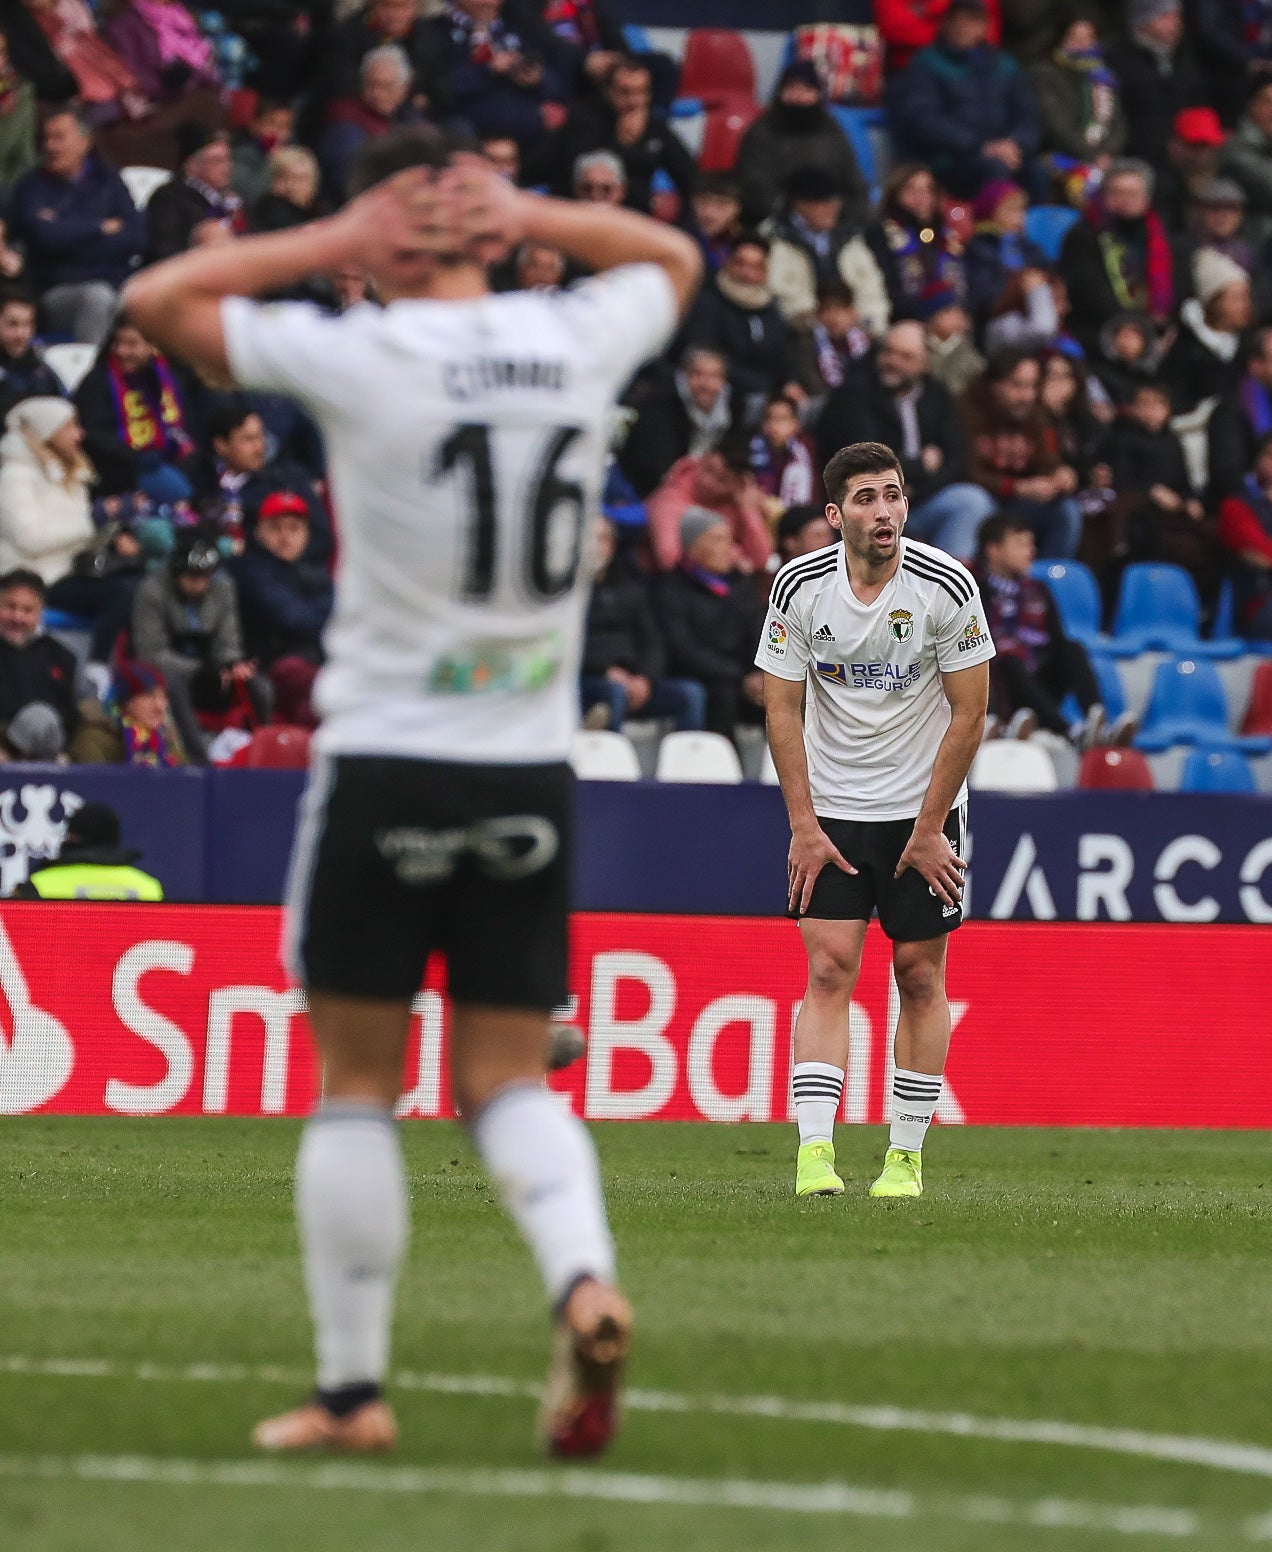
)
(812, 1498)
(1218, 1454)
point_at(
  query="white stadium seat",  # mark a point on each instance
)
(141, 182)
(768, 771)
(706, 757)
(70, 363)
(1010, 765)
(603, 757)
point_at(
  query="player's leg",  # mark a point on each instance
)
(821, 1045)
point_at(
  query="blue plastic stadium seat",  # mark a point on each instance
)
(1047, 226)
(1158, 610)
(1110, 682)
(1077, 597)
(636, 39)
(59, 620)
(1217, 770)
(1188, 706)
(857, 123)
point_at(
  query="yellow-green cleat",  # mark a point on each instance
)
(902, 1174)
(815, 1171)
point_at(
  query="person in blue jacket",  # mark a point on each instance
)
(81, 232)
(965, 107)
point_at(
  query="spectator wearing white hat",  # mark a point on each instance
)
(1205, 360)
(46, 514)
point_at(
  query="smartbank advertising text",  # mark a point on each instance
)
(173, 1010)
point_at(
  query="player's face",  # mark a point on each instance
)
(871, 516)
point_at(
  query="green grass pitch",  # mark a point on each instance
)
(1099, 1279)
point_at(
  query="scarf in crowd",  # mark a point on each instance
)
(923, 255)
(751, 299)
(1154, 292)
(1099, 95)
(483, 42)
(1011, 245)
(787, 474)
(1257, 404)
(144, 748)
(144, 421)
(574, 21)
(831, 353)
(709, 579)
(225, 203)
(1018, 618)
(177, 34)
(706, 426)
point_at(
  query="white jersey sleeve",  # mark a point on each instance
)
(784, 650)
(282, 347)
(626, 315)
(962, 637)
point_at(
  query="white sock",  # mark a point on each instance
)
(543, 1162)
(914, 1097)
(817, 1088)
(351, 1208)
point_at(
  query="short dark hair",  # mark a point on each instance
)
(21, 577)
(858, 458)
(996, 527)
(1002, 363)
(795, 519)
(734, 447)
(228, 416)
(836, 291)
(1152, 385)
(67, 110)
(9, 295)
(410, 145)
(722, 184)
(751, 239)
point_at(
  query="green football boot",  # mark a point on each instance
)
(815, 1171)
(902, 1174)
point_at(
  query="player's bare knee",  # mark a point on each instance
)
(920, 977)
(832, 976)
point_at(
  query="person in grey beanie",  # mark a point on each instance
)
(1159, 76)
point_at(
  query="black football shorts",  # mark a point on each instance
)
(396, 859)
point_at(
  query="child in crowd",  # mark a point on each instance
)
(782, 461)
(714, 220)
(1129, 353)
(953, 358)
(837, 344)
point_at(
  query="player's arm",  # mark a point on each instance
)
(177, 304)
(811, 848)
(929, 851)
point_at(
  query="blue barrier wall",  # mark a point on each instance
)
(225, 835)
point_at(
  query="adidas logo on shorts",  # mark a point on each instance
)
(823, 633)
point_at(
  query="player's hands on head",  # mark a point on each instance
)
(810, 851)
(486, 212)
(929, 853)
(399, 222)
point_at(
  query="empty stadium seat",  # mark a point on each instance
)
(141, 182)
(1048, 225)
(1258, 717)
(1112, 691)
(1119, 770)
(1157, 606)
(1187, 706)
(1010, 765)
(857, 124)
(278, 747)
(705, 757)
(70, 363)
(726, 124)
(717, 66)
(603, 757)
(1077, 598)
(1217, 770)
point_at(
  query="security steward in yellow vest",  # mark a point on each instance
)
(91, 864)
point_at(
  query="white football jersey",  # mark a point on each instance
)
(876, 712)
(466, 445)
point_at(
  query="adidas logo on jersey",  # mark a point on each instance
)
(823, 633)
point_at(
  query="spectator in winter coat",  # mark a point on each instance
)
(1247, 159)
(711, 617)
(1158, 76)
(1233, 43)
(1079, 104)
(1204, 362)
(901, 405)
(953, 358)
(1129, 354)
(46, 514)
(24, 374)
(82, 233)
(185, 621)
(395, 22)
(783, 462)
(270, 130)
(623, 653)
(38, 703)
(163, 46)
(17, 121)
(1119, 258)
(625, 123)
(914, 249)
(797, 131)
(1241, 420)
(721, 481)
(965, 107)
(1014, 453)
(735, 314)
(680, 414)
(906, 26)
(382, 103)
(813, 245)
(284, 600)
(998, 247)
(201, 193)
(1245, 532)
(135, 725)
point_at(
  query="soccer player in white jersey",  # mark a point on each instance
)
(466, 436)
(886, 640)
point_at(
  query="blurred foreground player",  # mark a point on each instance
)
(887, 637)
(466, 435)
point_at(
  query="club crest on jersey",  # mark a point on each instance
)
(901, 624)
(973, 636)
(777, 638)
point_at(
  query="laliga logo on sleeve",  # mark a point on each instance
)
(36, 1053)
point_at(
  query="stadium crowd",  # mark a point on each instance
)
(1057, 308)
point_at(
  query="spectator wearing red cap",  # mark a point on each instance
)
(1192, 158)
(285, 599)
(133, 727)
(1247, 158)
